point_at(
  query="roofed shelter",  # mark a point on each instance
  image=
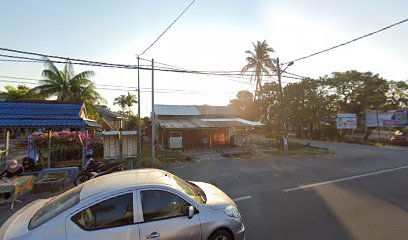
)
(49, 115)
(189, 126)
(115, 121)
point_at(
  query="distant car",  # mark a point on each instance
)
(400, 138)
(135, 204)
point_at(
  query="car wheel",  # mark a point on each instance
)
(221, 235)
(81, 178)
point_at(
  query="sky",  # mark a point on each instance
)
(211, 35)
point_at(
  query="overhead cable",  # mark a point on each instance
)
(348, 42)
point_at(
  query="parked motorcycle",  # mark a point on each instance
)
(96, 169)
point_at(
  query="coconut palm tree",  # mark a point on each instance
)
(130, 100)
(65, 84)
(259, 62)
(68, 86)
(121, 101)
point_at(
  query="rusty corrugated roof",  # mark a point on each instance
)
(216, 110)
(176, 110)
(196, 123)
(225, 124)
(181, 123)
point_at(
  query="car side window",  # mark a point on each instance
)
(114, 212)
(159, 205)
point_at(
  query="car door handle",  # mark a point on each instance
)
(153, 235)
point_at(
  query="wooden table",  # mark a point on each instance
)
(16, 186)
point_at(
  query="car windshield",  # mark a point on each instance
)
(55, 206)
(190, 189)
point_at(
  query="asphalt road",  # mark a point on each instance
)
(354, 197)
(359, 193)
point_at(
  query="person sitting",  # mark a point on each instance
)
(13, 168)
(30, 165)
(90, 163)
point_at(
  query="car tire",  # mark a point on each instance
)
(221, 234)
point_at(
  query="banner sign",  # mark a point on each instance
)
(346, 121)
(388, 118)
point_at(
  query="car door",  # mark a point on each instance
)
(165, 217)
(110, 218)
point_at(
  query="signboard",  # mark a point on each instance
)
(175, 142)
(346, 121)
(389, 118)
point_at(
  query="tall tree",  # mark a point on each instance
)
(397, 96)
(267, 106)
(244, 105)
(21, 92)
(307, 104)
(130, 100)
(357, 91)
(259, 62)
(121, 101)
(68, 86)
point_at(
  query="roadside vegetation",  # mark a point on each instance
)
(299, 149)
(262, 150)
(310, 105)
(163, 157)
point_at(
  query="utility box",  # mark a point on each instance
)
(129, 143)
(111, 144)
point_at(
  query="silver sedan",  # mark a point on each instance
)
(135, 204)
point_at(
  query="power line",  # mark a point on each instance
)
(21, 61)
(130, 88)
(110, 87)
(110, 65)
(348, 42)
(36, 60)
(157, 39)
(229, 74)
(37, 80)
(59, 57)
(100, 64)
(296, 75)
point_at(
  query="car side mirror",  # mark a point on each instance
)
(190, 212)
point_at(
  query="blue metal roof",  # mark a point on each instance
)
(42, 114)
(105, 113)
(46, 123)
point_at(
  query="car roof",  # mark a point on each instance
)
(125, 179)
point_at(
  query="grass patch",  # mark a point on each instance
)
(300, 152)
(298, 149)
(240, 155)
(162, 157)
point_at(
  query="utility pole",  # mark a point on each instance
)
(282, 111)
(378, 126)
(139, 132)
(153, 118)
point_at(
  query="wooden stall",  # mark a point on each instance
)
(111, 144)
(129, 144)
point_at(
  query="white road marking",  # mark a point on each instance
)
(344, 179)
(241, 198)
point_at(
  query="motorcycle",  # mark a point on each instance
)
(96, 169)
